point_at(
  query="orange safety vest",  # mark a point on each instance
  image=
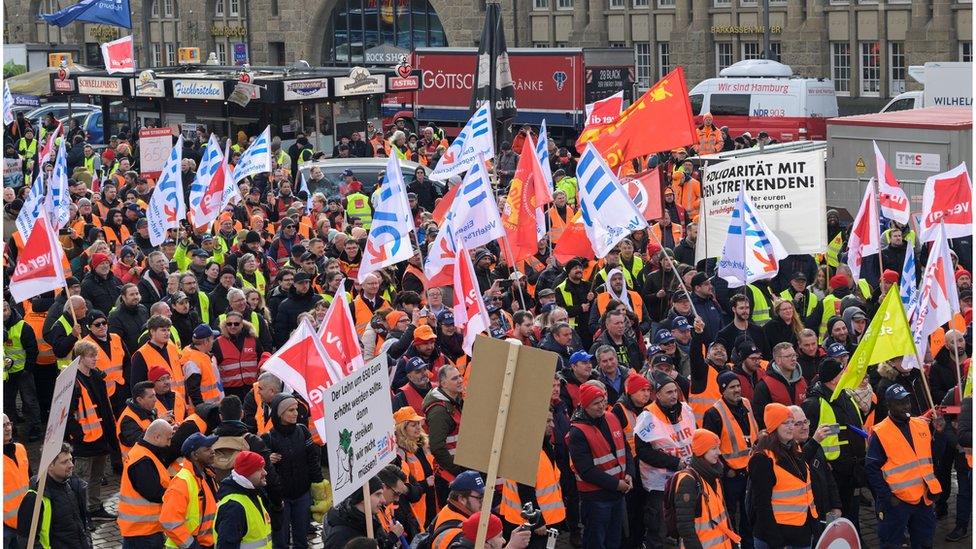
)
(557, 225)
(15, 484)
(612, 461)
(110, 364)
(937, 339)
(199, 421)
(154, 358)
(712, 522)
(238, 367)
(420, 276)
(631, 418)
(792, 497)
(603, 299)
(264, 425)
(675, 232)
(362, 314)
(701, 402)
(143, 424)
(45, 353)
(137, 515)
(908, 471)
(210, 388)
(116, 240)
(548, 495)
(174, 510)
(443, 541)
(735, 445)
(411, 466)
(179, 409)
(87, 416)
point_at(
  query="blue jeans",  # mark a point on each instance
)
(760, 544)
(10, 538)
(295, 516)
(603, 523)
(918, 519)
(734, 491)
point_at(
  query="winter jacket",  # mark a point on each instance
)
(345, 522)
(777, 331)
(942, 374)
(440, 425)
(582, 458)
(628, 353)
(851, 460)
(102, 292)
(762, 395)
(300, 464)
(230, 524)
(686, 499)
(129, 431)
(128, 323)
(152, 287)
(286, 318)
(69, 514)
(563, 352)
(825, 494)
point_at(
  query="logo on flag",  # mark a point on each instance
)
(948, 198)
(864, 232)
(752, 251)
(389, 234)
(604, 111)
(475, 140)
(115, 13)
(39, 267)
(892, 199)
(527, 194)
(476, 220)
(338, 335)
(32, 208)
(609, 214)
(119, 55)
(470, 313)
(166, 207)
(256, 159)
(644, 190)
(207, 190)
(8, 105)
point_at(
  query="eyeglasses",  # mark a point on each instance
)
(233, 324)
(99, 324)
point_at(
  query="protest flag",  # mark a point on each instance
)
(388, 241)
(470, 313)
(39, 265)
(891, 198)
(609, 214)
(166, 208)
(948, 197)
(527, 193)
(752, 251)
(864, 239)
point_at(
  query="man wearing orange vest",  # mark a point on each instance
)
(90, 426)
(16, 475)
(139, 413)
(170, 405)
(367, 302)
(113, 358)
(732, 420)
(415, 390)
(442, 411)
(190, 500)
(414, 279)
(144, 482)
(158, 351)
(899, 470)
(201, 377)
(546, 496)
(560, 215)
(256, 405)
(699, 503)
(464, 499)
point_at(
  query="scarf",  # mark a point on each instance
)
(624, 296)
(242, 480)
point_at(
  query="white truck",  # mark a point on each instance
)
(947, 84)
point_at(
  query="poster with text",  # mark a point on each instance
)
(788, 189)
(359, 427)
(154, 147)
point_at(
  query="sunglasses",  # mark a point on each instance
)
(99, 324)
(233, 324)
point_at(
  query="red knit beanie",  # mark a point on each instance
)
(636, 382)
(589, 393)
(838, 281)
(470, 527)
(247, 463)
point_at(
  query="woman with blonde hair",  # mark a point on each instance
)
(255, 301)
(414, 459)
(785, 324)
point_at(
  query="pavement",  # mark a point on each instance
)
(107, 533)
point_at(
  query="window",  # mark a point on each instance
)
(219, 8)
(905, 104)
(840, 67)
(540, 4)
(747, 2)
(966, 52)
(642, 55)
(641, 3)
(235, 7)
(618, 44)
(156, 54)
(696, 103)
(170, 54)
(775, 51)
(356, 26)
(870, 68)
(665, 3)
(222, 52)
(663, 59)
(751, 50)
(564, 4)
(721, 3)
(896, 60)
(154, 8)
(616, 4)
(540, 44)
(723, 55)
(167, 8)
(274, 8)
(729, 104)
(276, 51)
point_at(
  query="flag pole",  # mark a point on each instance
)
(675, 271)
(877, 213)
(508, 246)
(38, 498)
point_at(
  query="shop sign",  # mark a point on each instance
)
(359, 82)
(99, 85)
(311, 88)
(745, 29)
(147, 85)
(101, 33)
(188, 56)
(198, 89)
(228, 31)
(405, 79)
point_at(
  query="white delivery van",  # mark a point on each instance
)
(763, 95)
(947, 84)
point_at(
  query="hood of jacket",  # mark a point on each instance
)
(794, 377)
(346, 515)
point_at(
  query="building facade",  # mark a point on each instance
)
(864, 46)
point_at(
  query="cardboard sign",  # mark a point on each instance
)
(528, 409)
(61, 402)
(154, 147)
(359, 427)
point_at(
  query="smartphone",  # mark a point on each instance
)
(505, 283)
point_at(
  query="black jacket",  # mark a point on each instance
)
(144, 476)
(101, 292)
(942, 375)
(300, 464)
(185, 324)
(345, 522)
(684, 252)
(128, 322)
(63, 342)
(152, 287)
(94, 383)
(825, 494)
(28, 340)
(230, 524)
(762, 480)
(851, 460)
(286, 318)
(69, 515)
(129, 431)
(628, 353)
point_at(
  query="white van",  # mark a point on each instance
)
(763, 95)
(947, 84)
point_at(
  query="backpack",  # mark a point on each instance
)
(425, 540)
(670, 487)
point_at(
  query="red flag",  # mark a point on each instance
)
(645, 190)
(338, 334)
(864, 232)
(526, 193)
(660, 120)
(470, 313)
(444, 205)
(948, 198)
(96, 185)
(574, 242)
(604, 111)
(891, 197)
(119, 55)
(39, 267)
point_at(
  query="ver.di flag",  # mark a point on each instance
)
(166, 208)
(604, 111)
(948, 198)
(39, 268)
(475, 140)
(31, 211)
(119, 55)
(891, 198)
(937, 297)
(527, 194)
(864, 232)
(112, 12)
(256, 158)
(609, 214)
(752, 251)
(470, 313)
(58, 201)
(388, 242)
(207, 189)
(338, 334)
(887, 337)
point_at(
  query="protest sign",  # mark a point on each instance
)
(154, 147)
(526, 406)
(359, 427)
(787, 190)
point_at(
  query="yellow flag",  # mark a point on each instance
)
(887, 336)
(833, 250)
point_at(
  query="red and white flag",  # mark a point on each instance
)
(604, 111)
(207, 190)
(338, 334)
(303, 365)
(948, 198)
(891, 198)
(39, 268)
(574, 242)
(470, 313)
(864, 239)
(645, 190)
(119, 55)
(96, 185)
(938, 297)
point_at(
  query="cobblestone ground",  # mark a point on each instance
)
(107, 533)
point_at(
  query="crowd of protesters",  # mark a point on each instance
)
(675, 395)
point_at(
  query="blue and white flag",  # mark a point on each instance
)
(303, 186)
(609, 215)
(908, 288)
(8, 105)
(108, 12)
(388, 242)
(256, 159)
(752, 251)
(542, 151)
(32, 208)
(58, 201)
(207, 190)
(475, 140)
(476, 219)
(166, 208)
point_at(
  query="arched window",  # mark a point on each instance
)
(358, 26)
(154, 8)
(219, 8)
